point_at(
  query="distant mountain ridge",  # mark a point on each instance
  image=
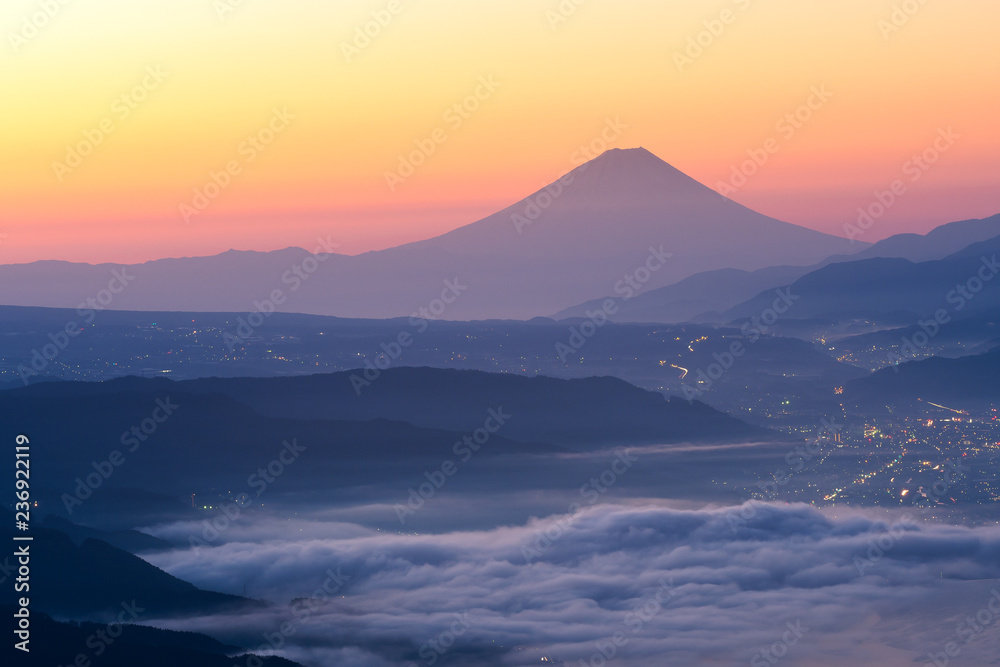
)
(578, 414)
(569, 242)
(938, 243)
(961, 284)
(704, 296)
(973, 377)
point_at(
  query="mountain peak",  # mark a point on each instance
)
(633, 177)
(635, 151)
(625, 157)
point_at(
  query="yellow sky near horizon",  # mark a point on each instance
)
(347, 116)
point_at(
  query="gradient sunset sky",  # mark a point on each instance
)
(225, 66)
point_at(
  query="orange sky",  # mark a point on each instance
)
(183, 85)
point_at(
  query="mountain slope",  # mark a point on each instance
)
(580, 414)
(961, 284)
(572, 413)
(692, 297)
(132, 541)
(936, 379)
(198, 442)
(573, 240)
(94, 578)
(935, 244)
(695, 298)
(61, 643)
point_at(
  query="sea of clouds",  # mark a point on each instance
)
(613, 584)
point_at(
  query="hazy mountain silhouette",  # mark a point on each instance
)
(59, 643)
(128, 540)
(572, 413)
(95, 578)
(881, 285)
(703, 296)
(936, 379)
(209, 441)
(694, 298)
(222, 450)
(958, 338)
(935, 244)
(569, 242)
(442, 403)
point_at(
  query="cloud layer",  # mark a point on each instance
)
(611, 584)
